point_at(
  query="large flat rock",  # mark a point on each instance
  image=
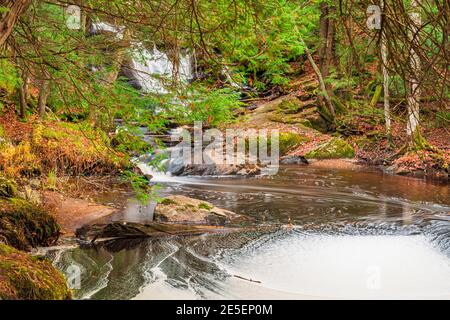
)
(181, 209)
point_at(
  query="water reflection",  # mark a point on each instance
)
(345, 222)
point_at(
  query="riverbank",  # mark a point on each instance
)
(37, 162)
(359, 135)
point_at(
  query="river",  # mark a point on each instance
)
(341, 233)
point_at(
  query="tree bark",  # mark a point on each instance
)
(323, 34)
(384, 62)
(42, 100)
(327, 38)
(8, 19)
(413, 90)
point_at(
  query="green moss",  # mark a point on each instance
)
(290, 141)
(168, 202)
(190, 207)
(28, 278)
(289, 106)
(8, 188)
(376, 96)
(334, 149)
(419, 143)
(205, 206)
(338, 106)
(24, 225)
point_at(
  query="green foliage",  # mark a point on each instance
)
(141, 186)
(288, 141)
(8, 188)
(9, 78)
(211, 106)
(129, 141)
(168, 202)
(442, 118)
(259, 39)
(52, 180)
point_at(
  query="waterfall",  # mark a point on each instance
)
(150, 68)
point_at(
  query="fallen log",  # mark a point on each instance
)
(128, 230)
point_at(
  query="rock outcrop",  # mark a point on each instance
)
(181, 209)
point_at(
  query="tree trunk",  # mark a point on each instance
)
(327, 38)
(327, 50)
(384, 61)
(10, 17)
(413, 90)
(323, 34)
(42, 100)
(23, 96)
(323, 88)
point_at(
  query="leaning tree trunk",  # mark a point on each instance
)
(8, 19)
(413, 90)
(323, 88)
(384, 62)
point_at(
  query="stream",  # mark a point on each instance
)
(343, 233)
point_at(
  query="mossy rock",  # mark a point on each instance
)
(168, 202)
(8, 188)
(290, 106)
(205, 206)
(185, 210)
(290, 141)
(23, 277)
(335, 148)
(24, 225)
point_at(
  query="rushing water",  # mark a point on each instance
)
(338, 234)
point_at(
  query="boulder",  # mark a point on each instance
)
(25, 225)
(181, 209)
(294, 160)
(335, 148)
(23, 277)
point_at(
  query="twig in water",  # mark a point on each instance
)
(250, 280)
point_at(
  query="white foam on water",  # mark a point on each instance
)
(359, 267)
(158, 176)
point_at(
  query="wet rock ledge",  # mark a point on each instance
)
(173, 216)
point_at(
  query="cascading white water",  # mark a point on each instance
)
(150, 67)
